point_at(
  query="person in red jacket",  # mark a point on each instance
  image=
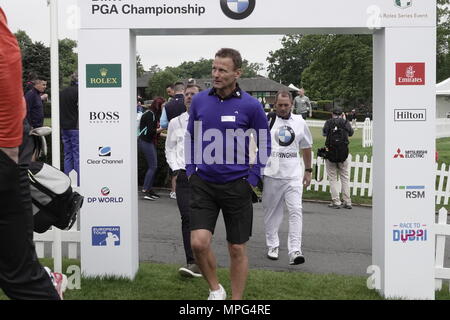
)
(21, 274)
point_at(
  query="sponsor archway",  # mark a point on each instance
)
(404, 38)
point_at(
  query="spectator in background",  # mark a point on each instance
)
(170, 92)
(352, 118)
(68, 106)
(176, 160)
(22, 277)
(173, 109)
(302, 105)
(35, 106)
(32, 76)
(140, 105)
(147, 144)
(338, 170)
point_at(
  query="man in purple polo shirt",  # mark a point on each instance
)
(221, 123)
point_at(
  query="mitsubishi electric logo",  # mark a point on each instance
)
(237, 9)
(403, 4)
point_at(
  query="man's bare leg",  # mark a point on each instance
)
(204, 256)
(238, 269)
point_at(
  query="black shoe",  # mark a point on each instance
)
(334, 206)
(190, 270)
(153, 194)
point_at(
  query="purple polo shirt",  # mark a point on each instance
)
(217, 137)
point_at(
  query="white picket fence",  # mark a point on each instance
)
(367, 137)
(56, 237)
(442, 131)
(360, 184)
(320, 123)
(442, 128)
(441, 230)
(360, 178)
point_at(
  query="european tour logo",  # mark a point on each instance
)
(103, 75)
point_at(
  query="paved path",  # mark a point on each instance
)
(334, 241)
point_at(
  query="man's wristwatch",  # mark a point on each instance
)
(309, 170)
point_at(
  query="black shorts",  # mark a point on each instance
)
(235, 200)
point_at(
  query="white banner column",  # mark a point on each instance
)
(108, 152)
(404, 160)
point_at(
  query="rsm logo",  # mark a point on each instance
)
(412, 192)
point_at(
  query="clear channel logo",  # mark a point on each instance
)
(105, 198)
(104, 157)
(237, 9)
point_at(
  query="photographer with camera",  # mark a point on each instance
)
(337, 130)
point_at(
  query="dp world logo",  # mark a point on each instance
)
(237, 9)
(285, 136)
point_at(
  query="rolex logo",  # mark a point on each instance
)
(103, 72)
(103, 75)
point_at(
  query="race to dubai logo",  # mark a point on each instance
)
(410, 74)
(237, 9)
(403, 4)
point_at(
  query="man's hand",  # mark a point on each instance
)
(307, 179)
(13, 153)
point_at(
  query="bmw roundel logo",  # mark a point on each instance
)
(237, 9)
(285, 136)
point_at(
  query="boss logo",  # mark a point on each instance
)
(104, 117)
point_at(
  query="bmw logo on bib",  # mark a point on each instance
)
(285, 136)
(237, 9)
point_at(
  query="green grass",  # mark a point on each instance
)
(162, 282)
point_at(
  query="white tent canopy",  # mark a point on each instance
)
(443, 88)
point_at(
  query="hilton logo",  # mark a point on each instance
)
(410, 115)
(103, 76)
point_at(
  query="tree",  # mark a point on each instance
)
(36, 58)
(68, 60)
(297, 53)
(139, 67)
(251, 69)
(342, 69)
(158, 82)
(443, 40)
(202, 69)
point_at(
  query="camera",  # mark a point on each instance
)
(322, 152)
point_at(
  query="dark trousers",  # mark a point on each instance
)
(183, 191)
(21, 275)
(70, 140)
(149, 151)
